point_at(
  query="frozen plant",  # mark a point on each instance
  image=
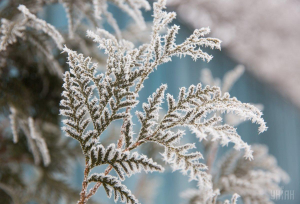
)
(225, 85)
(28, 28)
(254, 181)
(93, 10)
(31, 69)
(23, 25)
(12, 30)
(36, 143)
(92, 101)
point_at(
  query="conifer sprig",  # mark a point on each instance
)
(252, 180)
(122, 162)
(28, 28)
(92, 101)
(112, 183)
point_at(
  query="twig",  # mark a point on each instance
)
(83, 197)
(109, 168)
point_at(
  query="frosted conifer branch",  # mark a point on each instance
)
(179, 159)
(10, 30)
(31, 144)
(40, 142)
(161, 48)
(94, 10)
(80, 99)
(225, 85)
(128, 133)
(237, 174)
(122, 162)
(149, 119)
(28, 29)
(193, 107)
(32, 21)
(253, 180)
(35, 141)
(112, 183)
(92, 101)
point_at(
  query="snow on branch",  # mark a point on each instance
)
(36, 143)
(148, 120)
(40, 142)
(94, 10)
(197, 103)
(191, 110)
(10, 31)
(92, 101)
(122, 161)
(26, 27)
(110, 184)
(32, 21)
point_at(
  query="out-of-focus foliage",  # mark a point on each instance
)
(31, 68)
(254, 181)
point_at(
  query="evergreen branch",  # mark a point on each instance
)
(39, 24)
(10, 30)
(128, 133)
(116, 91)
(121, 161)
(112, 183)
(151, 112)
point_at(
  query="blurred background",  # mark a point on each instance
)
(261, 35)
